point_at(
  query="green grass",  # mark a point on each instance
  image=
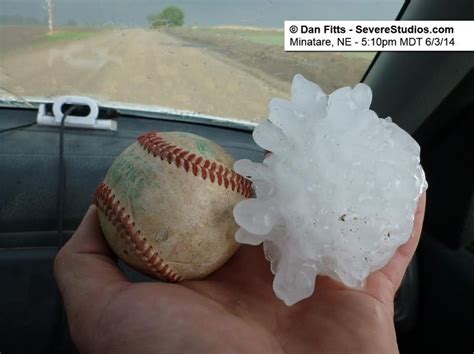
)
(266, 37)
(262, 36)
(65, 35)
(276, 39)
(15, 38)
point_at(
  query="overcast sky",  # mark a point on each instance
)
(265, 13)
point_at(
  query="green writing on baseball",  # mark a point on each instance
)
(134, 172)
(204, 148)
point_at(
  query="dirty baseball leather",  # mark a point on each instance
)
(166, 204)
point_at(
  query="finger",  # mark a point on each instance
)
(395, 269)
(85, 268)
(87, 253)
(88, 237)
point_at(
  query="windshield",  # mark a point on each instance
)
(215, 57)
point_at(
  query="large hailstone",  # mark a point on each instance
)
(338, 194)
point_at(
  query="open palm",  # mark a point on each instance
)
(232, 311)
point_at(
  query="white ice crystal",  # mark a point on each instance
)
(338, 194)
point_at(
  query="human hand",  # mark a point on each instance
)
(234, 310)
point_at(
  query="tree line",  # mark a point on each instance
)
(171, 16)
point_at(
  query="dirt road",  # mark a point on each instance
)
(140, 66)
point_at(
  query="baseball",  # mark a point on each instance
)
(165, 205)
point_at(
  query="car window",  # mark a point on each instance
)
(216, 57)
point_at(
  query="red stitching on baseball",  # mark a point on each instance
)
(104, 199)
(154, 144)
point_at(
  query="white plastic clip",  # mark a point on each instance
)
(90, 121)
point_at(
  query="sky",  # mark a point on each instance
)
(261, 13)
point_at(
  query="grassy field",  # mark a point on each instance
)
(260, 36)
(266, 37)
(68, 35)
(13, 38)
(262, 50)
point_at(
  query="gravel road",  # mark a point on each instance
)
(140, 66)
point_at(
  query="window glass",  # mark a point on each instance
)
(215, 57)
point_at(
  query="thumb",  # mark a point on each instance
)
(385, 283)
(86, 271)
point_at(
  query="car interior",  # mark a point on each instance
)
(48, 176)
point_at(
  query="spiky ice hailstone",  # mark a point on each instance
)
(338, 194)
